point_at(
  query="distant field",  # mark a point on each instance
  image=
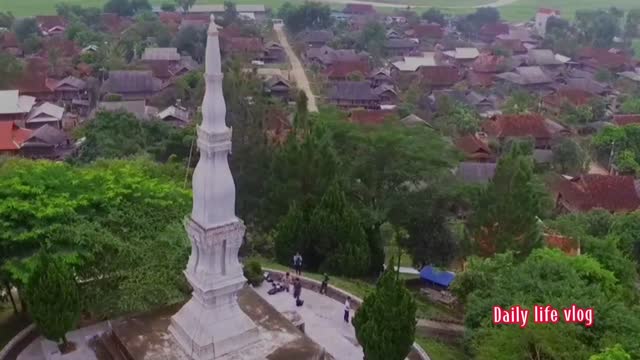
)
(520, 10)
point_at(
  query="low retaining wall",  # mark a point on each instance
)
(338, 295)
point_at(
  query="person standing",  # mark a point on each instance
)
(297, 263)
(297, 289)
(325, 283)
(347, 309)
(286, 281)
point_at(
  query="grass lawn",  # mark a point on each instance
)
(519, 11)
(441, 351)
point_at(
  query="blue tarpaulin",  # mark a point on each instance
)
(435, 276)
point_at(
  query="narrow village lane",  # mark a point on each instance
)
(302, 82)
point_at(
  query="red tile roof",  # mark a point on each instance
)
(64, 47)
(343, 69)
(8, 40)
(359, 9)
(443, 75)
(573, 96)
(522, 125)
(487, 63)
(431, 31)
(370, 117)
(480, 79)
(515, 45)
(624, 120)
(592, 191)
(473, 147)
(602, 58)
(11, 136)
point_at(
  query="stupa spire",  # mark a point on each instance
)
(211, 324)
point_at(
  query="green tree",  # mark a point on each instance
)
(185, 5)
(385, 323)
(26, 28)
(612, 353)
(631, 106)
(6, 19)
(520, 102)
(598, 27)
(372, 39)
(120, 7)
(434, 15)
(53, 298)
(455, 119)
(310, 15)
(632, 25)
(10, 70)
(506, 217)
(230, 13)
(170, 7)
(192, 41)
(140, 5)
(568, 156)
(622, 143)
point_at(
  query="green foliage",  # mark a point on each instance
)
(473, 22)
(25, 28)
(631, 106)
(506, 217)
(53, 298)
(520, 102)
(624, 142)
(185, 5)
(116, 222)
(632, 24)
(612, 353)
(598, 27)
(385, 323)
(568, 156)
(170, 7)
(6, 19)
(190, 89)
(455, 119)
(560, 36)
(626, 228)
(545, 277)
(253, 272)
(120, 7)
(119, 135)
(372, 39)
(10, 70)
(434, 15)
(309, 15)
(192, 41)
(584, 114)
(147, 31)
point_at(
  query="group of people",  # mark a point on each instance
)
(297, 286)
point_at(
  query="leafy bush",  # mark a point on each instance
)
(253, 272)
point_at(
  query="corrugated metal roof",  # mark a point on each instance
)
(11, 102)
(168, 54)
(412, 63)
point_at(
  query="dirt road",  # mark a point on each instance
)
(297, 70)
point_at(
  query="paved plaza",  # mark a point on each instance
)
(323, 321)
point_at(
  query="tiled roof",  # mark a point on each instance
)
(244, 44)
(400, 44)
(431, 31)
(370, 117)
(487, 63)
(473, 147)
(515, 45)
(11, 136)
(523, 125)
(573, 96)
(442, 75)
(565, 244)
(320, 36)
(542, 57)
(624, 120)
(351, 90)
(64, 47)
(47, 22)
(48, 135)
(592, 191)
(155, 54)
(8, 40)
(128, 81)
(603, 58)
(480, 79)
(344, 69)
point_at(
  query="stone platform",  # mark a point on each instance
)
(146, 337)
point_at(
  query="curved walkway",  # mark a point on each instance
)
(497, 3)
(296, 68)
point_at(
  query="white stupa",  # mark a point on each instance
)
(211, 325)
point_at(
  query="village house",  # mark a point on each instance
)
(255, 12)
(131, 84)
(175, 115)
(380, 77)
(50, 25)
(273, 53)
(626, 119)
(167, 63)
(278, 87)
(387, 94)
(316, 38)
(543, 57)
(532, 78)
(47, 142)
(514, 46)
(475, 148)
(400, 47)
(442, 76)
(12, 137)
(485, 67)
(566, 96)
(616, 194)
(45, 114)
(341, 71)
(426, 31)
(248, 47)
(9, 44)
(353, 94)
(593, 59)
(463, 56)
(489, 32)
(542, 16)
(68, 89)
(410, 64)
(486, 105)
(470, 172)
(523, 126)
(14, 106)
(325, 56)
(138, 108)
(413, 120)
